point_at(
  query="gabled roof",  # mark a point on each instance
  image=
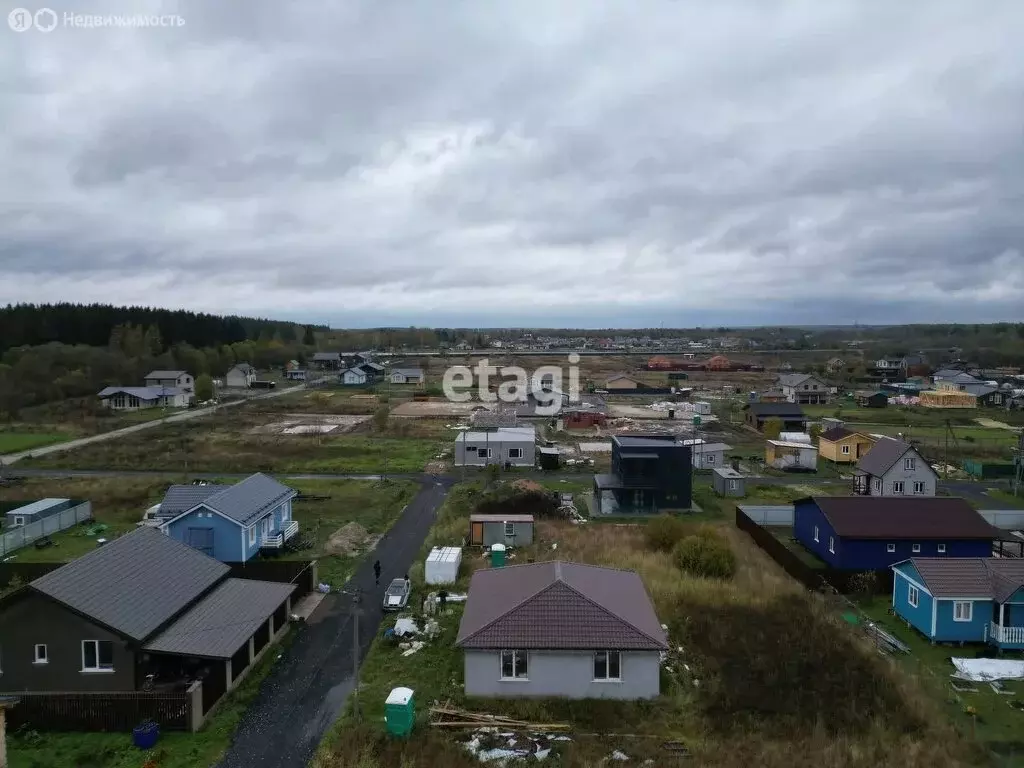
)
(407, 371)
(243, 367)
(143, 393)
(135, 583)
(775, 409)
(620, 377)
(902, 517)
(979, 390)
(354, 370)
(181, 498)
(884, 454)
(250, 498)
(559, 605)
(165, 374)
(796, 379)
(223, 621)
(372, 366)
(836, 433)
(994, 577)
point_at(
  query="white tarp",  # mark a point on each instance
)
(986, 670)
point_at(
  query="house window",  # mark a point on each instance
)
(252, 535)
(815, 533)
(941, 549)
(470, 449)
(963, 610)
(832, 544)
(890, 548)
(18, 521)
(915, 548)
(918, 486)
(897, 487)
(97, 656)
(910, 463)
(513, 665)
(510, 529)
(515, 453)
(733, 485)
(484, 453)
(912, 595)
(41, 654)
(607, 666)
(878, 485)
(709, 458)
(806, 386)
(846, 450)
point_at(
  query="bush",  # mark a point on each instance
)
(664, 532)
(705, 553)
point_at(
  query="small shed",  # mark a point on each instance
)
(872, 399)
(701, 408)
(729, 482)
(443, 565)
(829, 423)
(36, 511)
(400, 711)
(783, 454)
(548, 458)
(510, 530)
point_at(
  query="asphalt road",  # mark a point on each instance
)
(308, 688)
(191, 413)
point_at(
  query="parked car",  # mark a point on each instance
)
(397, 595)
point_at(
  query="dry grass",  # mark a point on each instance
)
(761, 673)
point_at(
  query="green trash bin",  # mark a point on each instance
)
(497, 555)
(400, 711)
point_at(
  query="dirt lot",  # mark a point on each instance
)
(435, 407)
(310, 423)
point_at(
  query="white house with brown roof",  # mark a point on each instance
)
(560, 629)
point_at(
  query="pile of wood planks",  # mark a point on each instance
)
(448, 716)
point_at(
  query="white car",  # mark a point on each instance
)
(397, 595)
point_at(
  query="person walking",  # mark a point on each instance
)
(376, 571)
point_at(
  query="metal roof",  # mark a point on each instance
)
(993, 577)
(903, 517)
(407, 371)
(165, 374)
(501, 518)
(884, 454)
(181, 498)
(39, 507)
(135, 583)
(501, 434)
(143, 393)
(791, 444)
(249, 498)
(559, 605)
(727, 472)
(791, 410)
(223, 621)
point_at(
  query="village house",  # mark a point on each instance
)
(790, 414)
(241, 376)
(515, 446)
(171, 379)
(844, 446)
(648, 475)
(138, 398)
(803, 388)
(892, 467)
(407, 376)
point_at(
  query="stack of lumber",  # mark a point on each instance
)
(448, 716)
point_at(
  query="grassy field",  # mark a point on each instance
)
(14, 442)
(115, 750)
(119, 503)
(767, 675)
(227, 442)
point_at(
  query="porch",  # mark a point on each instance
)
(612, 496)
(1005, 637)
(277, 540)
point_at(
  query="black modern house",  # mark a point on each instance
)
(649, 475)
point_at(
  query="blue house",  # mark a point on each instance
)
(871, 533)
(962, 599)
(230, 522)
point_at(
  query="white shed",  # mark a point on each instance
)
(443, 565)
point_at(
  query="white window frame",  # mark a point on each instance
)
(19, 521)
(608, 666)
(515, 655)
(913, 596)
(890, 548)
(845, 450)
(910, 464)
(940, 548)
(40, 658)
(483, 453)
(816, 533)
(252, 535)
(99, 668)
(959, 611)
(915, 548)
(515, 453)
(709, 458)
(733, 485)
(832, 544)
(918, 487)
(897, 487)
(878, 484)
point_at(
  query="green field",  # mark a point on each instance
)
(15, 442)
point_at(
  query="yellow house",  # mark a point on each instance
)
(844, 446)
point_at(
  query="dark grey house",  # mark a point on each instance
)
(790, 414)
(142, 604)
(560, 629)
(649, 475)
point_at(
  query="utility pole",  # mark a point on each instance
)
(1018, 460)
(356, 610)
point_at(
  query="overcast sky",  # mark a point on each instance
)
(474, 162)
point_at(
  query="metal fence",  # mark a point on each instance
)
(118, 712)
(16, 538)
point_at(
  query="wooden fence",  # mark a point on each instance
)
(101, 711)
(844, 582)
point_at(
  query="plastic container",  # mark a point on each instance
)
(145, 736)
(400, 711)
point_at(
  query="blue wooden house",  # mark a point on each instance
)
(231, 523)
(962, 599)
(871, 533)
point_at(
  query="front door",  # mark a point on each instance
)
(477, 534)
(201, 539)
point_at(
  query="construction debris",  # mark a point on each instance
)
(447, 716)
(884, 641)
(490, 745)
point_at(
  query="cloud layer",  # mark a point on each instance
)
(522, 162)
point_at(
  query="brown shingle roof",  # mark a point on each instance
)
(836, 433)
(906, 517)
(993, 577)
(558, 605)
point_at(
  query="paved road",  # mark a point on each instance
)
(191, 413)
(307, 689)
